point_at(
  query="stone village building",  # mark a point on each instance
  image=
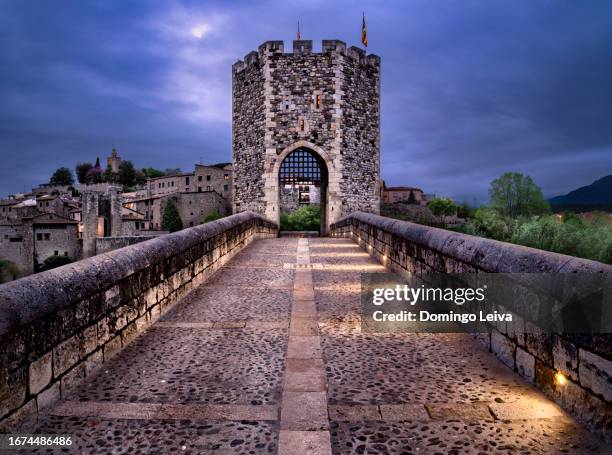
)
(302, 120)
(49, 221)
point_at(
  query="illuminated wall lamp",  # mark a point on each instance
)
(560, 378)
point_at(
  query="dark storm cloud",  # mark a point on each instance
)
(469, 89)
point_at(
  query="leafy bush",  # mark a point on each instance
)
(212, 216)
(572, 236)
(569, 235)
(306, 218)
(54, 261)
(442, 206)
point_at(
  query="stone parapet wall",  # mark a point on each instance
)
(59, 326)
(585, 360)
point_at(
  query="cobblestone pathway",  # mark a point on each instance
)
(268, 357)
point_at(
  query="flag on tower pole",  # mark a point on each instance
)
(364, 32)
(299, 36)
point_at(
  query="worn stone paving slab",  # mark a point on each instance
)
(466, 412)
(357, 413)
(404, 412)
(526, 409)
(304, 347)
(305, 375)
(194, 366)
(304, 411)
(93, 435)
(304, 442)
(147, 411)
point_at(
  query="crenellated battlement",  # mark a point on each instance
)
(304, 47)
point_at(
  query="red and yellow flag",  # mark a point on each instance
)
(364, 32)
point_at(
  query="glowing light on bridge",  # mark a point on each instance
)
(560, 379)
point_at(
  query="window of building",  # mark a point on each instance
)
(47, 204)
(225, 176)
(318, 101)
(208, 178)
(65, 253)
(225, 187)
(186, 180)
(39, 237)
(56, 253)
(199, 189)
(47, 236)
(199, 178)
(302, 124)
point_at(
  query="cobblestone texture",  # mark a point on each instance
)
(103, 436)
(205, 367)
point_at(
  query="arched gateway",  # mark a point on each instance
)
(305, 129)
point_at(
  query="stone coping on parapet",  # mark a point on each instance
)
(304, 47)
(27, 299)
(484, 254)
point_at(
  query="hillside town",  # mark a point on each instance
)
(54, 224)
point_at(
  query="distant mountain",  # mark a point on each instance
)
(596, 196)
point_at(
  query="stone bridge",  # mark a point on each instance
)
(224, 338)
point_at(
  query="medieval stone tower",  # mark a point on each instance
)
(306, 118)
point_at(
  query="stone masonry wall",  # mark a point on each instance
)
(248, 119)
(328, 102)
(586, 360)
(59, 326)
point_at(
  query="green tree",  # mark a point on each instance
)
(442, 206)
(465, 211)
(306, 218)
(81, 171)
(212, 216)
(62, 176)
(127, 173)
(141, 178)
(514, 195)
(171, 218)
(54, 261)
(109, 175)
(152, 173)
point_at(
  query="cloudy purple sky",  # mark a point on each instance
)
(470, 89)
